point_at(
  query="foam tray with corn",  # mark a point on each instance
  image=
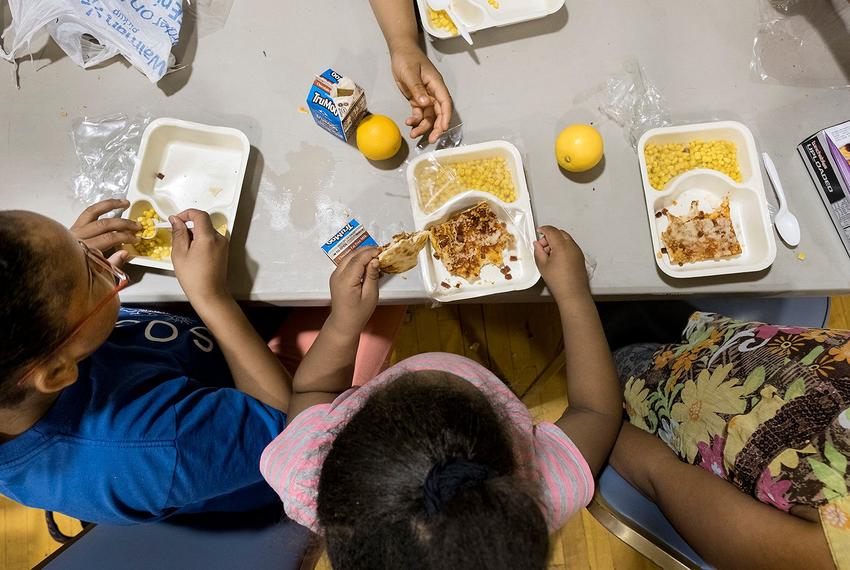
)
(447, 181)
(479, 15)
(707, 166)
(438, 181)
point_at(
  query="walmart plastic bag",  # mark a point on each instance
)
(93, 31)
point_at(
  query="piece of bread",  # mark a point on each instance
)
(402, 253)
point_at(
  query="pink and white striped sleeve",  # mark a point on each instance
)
(565, 477)
(292, 463)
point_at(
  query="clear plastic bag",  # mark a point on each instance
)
(631, 100)
(106, 149)
(589, 265)
(452, 138)
(208, 16)
(435, 184)
(804, 43)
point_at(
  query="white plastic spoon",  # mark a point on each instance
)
(786, 223)
(445, 5)
(167, 226)
(471, 14)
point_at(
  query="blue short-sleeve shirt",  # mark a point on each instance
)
(152, 427)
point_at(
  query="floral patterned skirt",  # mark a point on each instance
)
(767, 408)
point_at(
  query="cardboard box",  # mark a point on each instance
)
(829, 168)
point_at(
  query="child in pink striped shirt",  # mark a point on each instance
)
(435, 463)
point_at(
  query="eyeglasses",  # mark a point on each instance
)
(93, 256)
(96, 257)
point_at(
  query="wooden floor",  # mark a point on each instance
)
(517, 342)
(24, 541)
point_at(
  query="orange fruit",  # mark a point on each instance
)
(579, 148)
(378, 137)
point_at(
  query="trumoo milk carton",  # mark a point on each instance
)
(337, 104)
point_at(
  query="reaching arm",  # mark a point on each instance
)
(328, 367)
(397, 21)
(200, 262)
(594, 416)
(255, 369)
(417, 78)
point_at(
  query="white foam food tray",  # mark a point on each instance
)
(185, 165)
(509, 12)
(517, 216)
(747, 199)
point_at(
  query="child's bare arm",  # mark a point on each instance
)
(417, 78)
(200, 262)
(594, 415)
(328, 367)
(397, 21)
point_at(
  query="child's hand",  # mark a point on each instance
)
(199, 257)
(354, 291)
(107, 233)
(561, 262)
(424, 88)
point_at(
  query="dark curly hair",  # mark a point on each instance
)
(424, 477)
(34, 295)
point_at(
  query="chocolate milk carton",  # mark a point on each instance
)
(350, 237)
(337, 104)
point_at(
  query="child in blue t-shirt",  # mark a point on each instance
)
(117, 415)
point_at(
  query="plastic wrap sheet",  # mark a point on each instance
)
(208, 16)
(631, 100)
(803, 43)
(106, 149)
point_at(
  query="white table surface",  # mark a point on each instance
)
(520, 83)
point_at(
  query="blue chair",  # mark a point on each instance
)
(636, 520)
(282, 546)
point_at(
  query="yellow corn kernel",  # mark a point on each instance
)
(665, 162)
(156, 248)
(441, 20)
(159, 245)
(436, 186)
(148, 221)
